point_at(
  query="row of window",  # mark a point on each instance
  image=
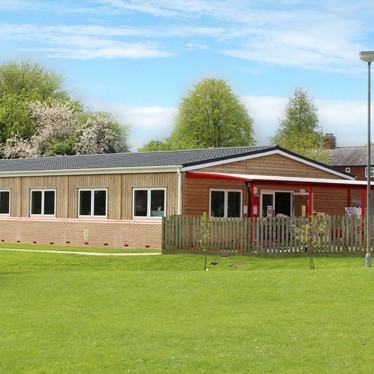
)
(91, 202)
(149, 202)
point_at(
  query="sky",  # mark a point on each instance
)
(138, 58)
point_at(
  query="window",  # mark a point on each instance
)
(4, 202)
(225, 203)
(92, 203)
(42, 202)
(149, 202)
(347, 170)
(371, 172)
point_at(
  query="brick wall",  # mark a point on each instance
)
(77, 232)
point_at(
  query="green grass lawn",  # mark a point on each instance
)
(164, 314)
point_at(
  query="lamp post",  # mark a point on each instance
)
(368, 56)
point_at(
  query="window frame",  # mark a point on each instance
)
(149, 202)
(9, 200)
(92, 207)
(225, 204)
(371, 171)
(42, 207)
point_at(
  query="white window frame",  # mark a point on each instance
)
(273, 192)
(43, 191)
(347, 170)
(225, 203)
(6, 214)
(149, 202)
(371, 172)
(92, 210)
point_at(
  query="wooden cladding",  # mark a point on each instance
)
(119, 192)
(271, 165)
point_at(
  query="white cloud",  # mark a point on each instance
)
(346, 119)
(146, 122)
(81, 42)
(318, 36)
(118, 50)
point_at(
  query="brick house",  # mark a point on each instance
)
(118, 200)
(351, 160)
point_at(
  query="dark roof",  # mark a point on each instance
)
(129, 160)
(349, 156)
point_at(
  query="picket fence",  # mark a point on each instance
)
(329, 234)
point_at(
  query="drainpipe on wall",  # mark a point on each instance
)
(179, 192)
(249, 189)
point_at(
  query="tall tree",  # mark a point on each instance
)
(299, 131)
(21, 84)
(211, 116)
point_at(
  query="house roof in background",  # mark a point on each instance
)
(349, 156)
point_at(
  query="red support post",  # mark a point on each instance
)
(310, 201)
(363, 202)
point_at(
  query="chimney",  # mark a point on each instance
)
(330, 141)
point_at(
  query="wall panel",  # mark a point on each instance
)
(151, 180)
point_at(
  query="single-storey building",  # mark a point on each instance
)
(118, 200)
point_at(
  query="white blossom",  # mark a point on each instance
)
(17, 147)
(56, 121)
(97, 136)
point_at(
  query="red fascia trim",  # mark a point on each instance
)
(207, 175)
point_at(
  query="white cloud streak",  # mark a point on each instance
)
(310, 35)
(146, 122)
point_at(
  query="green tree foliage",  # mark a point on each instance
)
(21, 84)
(310, 235)
(211, 116)
(299, 131)
(156, 145)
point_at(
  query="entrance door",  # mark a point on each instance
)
(282, 203)
(273, 203)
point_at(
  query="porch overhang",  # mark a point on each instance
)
(272, 180)
(308, 184)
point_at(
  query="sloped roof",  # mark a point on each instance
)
(349, 156)
(159, 161)
(127, 160)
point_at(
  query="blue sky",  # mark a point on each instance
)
(138, 58)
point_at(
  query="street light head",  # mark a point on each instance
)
(367, 56)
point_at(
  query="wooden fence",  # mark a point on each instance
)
(328, 234)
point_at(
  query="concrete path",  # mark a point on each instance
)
(81, 253)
